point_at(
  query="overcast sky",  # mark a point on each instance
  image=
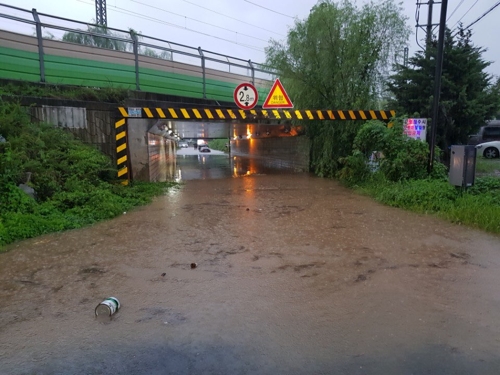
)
(242, 28)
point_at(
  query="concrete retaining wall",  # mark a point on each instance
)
(283, 152)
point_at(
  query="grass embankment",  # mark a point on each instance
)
(401, 179)
(477, 207)
(487, 166)
(99, 94)
(75, 184)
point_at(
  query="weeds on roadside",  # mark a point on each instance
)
(108, 94)
(402, 180)
(74, 183)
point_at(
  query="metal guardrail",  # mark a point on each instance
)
(137, 41)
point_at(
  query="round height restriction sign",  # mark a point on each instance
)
(246, 96)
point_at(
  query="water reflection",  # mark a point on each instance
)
(161, 158)
(200, 167)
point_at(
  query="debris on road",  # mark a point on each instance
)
(107, 307)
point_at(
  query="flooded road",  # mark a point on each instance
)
(295, 275)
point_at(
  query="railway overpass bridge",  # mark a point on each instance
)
(198, 86)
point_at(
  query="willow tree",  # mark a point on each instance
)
(338, 58)
(98, 36)
(102, 37)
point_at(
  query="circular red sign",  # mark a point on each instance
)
(246, 96)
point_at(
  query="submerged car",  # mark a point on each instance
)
(490, 150)
(204, 148)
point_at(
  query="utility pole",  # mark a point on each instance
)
(428, 39)
(437, 82)
(100, 13)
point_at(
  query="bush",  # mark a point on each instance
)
(354, 168)
(219, 144)
(74, 183)
(371, 137)
(402, 158)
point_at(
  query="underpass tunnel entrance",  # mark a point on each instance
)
(162, 150)
(258, 140)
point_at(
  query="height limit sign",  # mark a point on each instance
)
(246, 96)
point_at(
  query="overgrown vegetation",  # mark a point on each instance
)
(102, 37)
(487, 166)
(219, 144)
(399, 178)
(100, 94)
(338, 57)
(74, 183)
(469, 95)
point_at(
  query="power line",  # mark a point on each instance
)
(417, 19)
(233, 18)
(456, 8)
(148, 18)
(484, 15)
(468, 10)
(263, 7)
(193, 19)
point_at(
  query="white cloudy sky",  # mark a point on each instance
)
(242, 28)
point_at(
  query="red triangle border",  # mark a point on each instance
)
(266, 105)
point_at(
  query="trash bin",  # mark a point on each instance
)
(462, 166)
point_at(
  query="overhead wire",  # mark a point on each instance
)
(271, 10)
(149, 18)
(456, 8)
(194, 19)
(468, 10)
(417, 19)
(483, 15)
(233, 18)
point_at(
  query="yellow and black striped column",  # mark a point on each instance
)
(121, 150)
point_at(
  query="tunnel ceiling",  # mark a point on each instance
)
(192, 129)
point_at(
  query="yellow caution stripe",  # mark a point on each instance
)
(232, 114)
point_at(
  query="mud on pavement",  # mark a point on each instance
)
(294, 275)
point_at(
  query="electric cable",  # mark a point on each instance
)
(468, 10)
(483, 15)
(193, 19)
(149, 18)
(456, 8)
(233, 18)
(263, 7)
(417, 18)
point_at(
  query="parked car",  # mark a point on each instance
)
(204, 148)
(490, 150)
(487, 133)
(183, 145)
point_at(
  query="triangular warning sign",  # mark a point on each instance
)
(277, 97)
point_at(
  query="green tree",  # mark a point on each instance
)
(338, 58)
(102, 37)
(98, 36)
(469, 95)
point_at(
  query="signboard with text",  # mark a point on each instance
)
(415, 128)
(277, 97)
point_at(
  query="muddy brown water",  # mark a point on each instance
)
(295, 275)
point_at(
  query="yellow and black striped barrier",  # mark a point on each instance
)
(227, 114)
(121, 149)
